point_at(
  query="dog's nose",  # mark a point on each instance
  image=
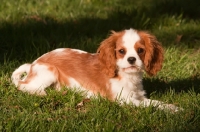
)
(131, 60)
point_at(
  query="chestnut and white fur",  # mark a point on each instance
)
(114, 72)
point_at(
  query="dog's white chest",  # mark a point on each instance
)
(128, 88)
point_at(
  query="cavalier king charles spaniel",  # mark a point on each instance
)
(114, 72)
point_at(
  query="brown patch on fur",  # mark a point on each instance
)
(118, 54)
(107, 54)
(140, 45)
(83, 67)
(153, 57)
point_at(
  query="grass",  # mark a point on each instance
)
(29, 28)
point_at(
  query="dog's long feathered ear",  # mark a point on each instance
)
(107, 57)
(154, 53)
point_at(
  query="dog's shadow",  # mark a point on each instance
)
(161, 86)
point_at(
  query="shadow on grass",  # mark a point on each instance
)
(33, 38)
(152, 85)
(36, 35)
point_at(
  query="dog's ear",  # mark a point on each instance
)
(107, 56)
(154, 53)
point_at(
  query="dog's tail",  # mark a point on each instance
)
(20, 73)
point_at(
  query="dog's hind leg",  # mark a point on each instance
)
(39, 78)
(17, 74)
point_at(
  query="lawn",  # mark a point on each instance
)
(29, 28)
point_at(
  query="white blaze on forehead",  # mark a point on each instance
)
(130, 38)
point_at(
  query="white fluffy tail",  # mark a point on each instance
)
(17, 74)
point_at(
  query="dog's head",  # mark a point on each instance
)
(130, 51)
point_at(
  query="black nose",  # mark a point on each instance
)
(131, 60)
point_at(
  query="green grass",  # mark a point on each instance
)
(29, 28)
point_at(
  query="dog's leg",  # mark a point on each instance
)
(160, 105)
(39, 77)
(16, 75)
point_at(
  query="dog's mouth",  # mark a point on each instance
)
(132, 68)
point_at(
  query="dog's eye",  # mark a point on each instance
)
(140, 50)
(121, 51)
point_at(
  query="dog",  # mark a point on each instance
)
(115, 71)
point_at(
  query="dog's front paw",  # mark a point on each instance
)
(171, 108)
